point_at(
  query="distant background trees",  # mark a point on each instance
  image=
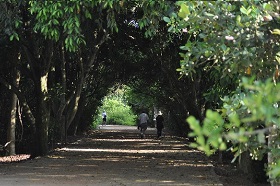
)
(118, 111)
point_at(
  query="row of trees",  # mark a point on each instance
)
(54, 47)
(60, 59)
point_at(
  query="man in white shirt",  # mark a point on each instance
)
(143, 123)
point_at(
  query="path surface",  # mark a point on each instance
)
(115, 156)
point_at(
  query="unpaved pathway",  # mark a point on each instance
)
(115, 156)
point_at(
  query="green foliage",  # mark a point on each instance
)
(275, 169)
(153, 11)
(63, 19)
(236, 39)
(208, 138)
(118, 112)
(139, 99)
(244, 120)
(234, 35)
(9, 19)
(52, 16)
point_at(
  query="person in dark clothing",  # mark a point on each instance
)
(159, 123)
(104, 118)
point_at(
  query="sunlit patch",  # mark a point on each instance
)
(167, 181)
(56, 157)
(121, 140)
(143, 181)
(86, 165)
(33, 179)
(190, 165)
(132, 151)
(57, 175)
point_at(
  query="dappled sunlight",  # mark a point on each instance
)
(132, 151)
(151, 180)
(119, 140)
(56, 157)
(123, 159)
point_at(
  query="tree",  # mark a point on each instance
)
(41, 29)
(240, 39)
(59, 43)
(9, 20)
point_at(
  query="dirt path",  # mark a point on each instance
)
(115, 156)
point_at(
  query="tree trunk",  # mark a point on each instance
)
(76, 121)
(40, 63)
(65, 110)
(74, 104)
(43, 116)
(12, 125)
(27, 113)
(68, 108)
(59, 112)
(85, 67)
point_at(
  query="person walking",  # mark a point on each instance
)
(104, 118)
(159, 124)
(143, 123)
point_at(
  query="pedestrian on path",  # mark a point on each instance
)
(104, 118)
(143, 123)
(159, 124)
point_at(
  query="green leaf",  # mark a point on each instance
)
(200, 140)
(276, 31)
(202, 35)
(244, 10)
(194, 145)
(213, 140)
(194, 125)
(234, 119)
(166, 19)
(224, 47)
(223, 146)
(17, 23)
(185, 9)
(170, 29)
(88, 14)
(182, 15)
(267, 7)
(11, 37)
(55, 22)
(238, 21)
(209, 14)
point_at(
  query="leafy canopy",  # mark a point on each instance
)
(235, 38)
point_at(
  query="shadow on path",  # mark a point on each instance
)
(115, 155)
